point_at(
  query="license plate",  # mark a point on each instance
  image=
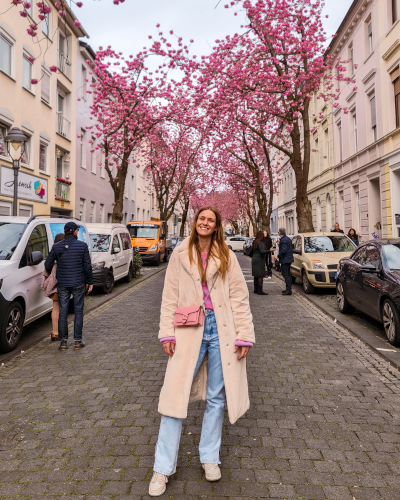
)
(335, 275)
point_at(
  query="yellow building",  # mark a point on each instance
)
(45, 111)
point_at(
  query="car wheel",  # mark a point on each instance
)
(391, 322)
(108, 286)
(157, 262)
(307, 286)
(342, 302)
(129, 276)
(166, 255)
(293, 279)
(11, 328)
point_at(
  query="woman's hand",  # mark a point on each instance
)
(244, 351)
(169, 348)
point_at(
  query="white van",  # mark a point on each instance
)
(112, 254)
(24, 245)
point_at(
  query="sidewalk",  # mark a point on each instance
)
(323, 424)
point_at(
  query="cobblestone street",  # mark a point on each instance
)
(324, 421)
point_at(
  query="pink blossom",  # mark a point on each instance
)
(53, 69)
(34, 81)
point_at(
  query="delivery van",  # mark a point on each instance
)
(24, 245)
(149, 238)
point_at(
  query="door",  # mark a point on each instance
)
(354, 276)
(126, 256)
(30, 278)
(372, 282)
(117, 258)
(295, 268)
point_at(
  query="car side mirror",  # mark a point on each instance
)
(116, 250)
(297, 252)
(35, 258)
(369, 268)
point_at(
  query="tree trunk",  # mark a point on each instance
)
(184, 217)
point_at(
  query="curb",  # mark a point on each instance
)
(368, 338)
(91, 307)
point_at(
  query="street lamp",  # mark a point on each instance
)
(17, 139)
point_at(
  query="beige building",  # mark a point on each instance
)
(45, 112)
(321, 190)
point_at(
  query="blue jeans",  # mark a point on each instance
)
(170, 428)
(64, 294)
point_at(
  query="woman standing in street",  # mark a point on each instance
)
(353, 236)
(268, 259)
(258, 262)
(202, 270)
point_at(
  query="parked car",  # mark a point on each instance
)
(175, 241)
(235, 243)
(24, 245)
(369, 280)
(247, 245)
(112, 254)
(316, 258)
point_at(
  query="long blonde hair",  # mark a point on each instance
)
(218, 249)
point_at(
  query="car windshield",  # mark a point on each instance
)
(392, 254)
(319, 244)
(179, 242)
(144, 231)
(100, 242)
(174, 241)
(10, 234)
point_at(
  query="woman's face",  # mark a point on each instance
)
(206, 223)
(351, 232)
(265, 234)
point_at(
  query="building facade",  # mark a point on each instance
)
(366, 135)
(45, 111)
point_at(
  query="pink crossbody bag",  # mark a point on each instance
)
(192, 315)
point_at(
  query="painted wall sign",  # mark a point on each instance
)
(30, 187)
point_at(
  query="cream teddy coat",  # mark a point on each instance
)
(230, 299)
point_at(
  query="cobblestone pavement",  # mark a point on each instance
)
(324, 421)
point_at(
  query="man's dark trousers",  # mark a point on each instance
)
(286, 276)
(64, 294)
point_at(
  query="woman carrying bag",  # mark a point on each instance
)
(206, 328)
(258, 261)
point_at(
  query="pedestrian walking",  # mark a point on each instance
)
(285, 257)
(74, 277)
(50, 290)
(270, 249)
(258, 262)
(203, 280)
(337, 229)
(353, 236)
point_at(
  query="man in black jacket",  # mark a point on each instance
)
(74, 274)
(285, 257)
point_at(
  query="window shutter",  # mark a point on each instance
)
(373, 112)
(369, 28)
(395, 74)
(46, 87)
(397, 86)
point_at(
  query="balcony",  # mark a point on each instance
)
(63, 126)
(62, 190)
(64, 65)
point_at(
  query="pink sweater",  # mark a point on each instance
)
(207, 303)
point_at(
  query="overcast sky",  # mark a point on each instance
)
(126, 26)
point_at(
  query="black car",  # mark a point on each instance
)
(369, 280)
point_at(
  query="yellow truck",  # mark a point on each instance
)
(149, 238)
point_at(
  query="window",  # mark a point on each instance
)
(317, 156)
(5, 208)
(82, 207)
(355, 132)
(351, 57)
(319, 215)
(340, 143)
(83, 148)
(373, 119)
(126, 241)
(43, 156)
(115, 244)
(359, 256)
(101, 212)
(26, 149)
(83, 88)
(372, 257)
(46, 24)
(327, 148)
(152, 200)
(3, 146)
(125, 189)
(92, 211)
(93, 155)
(25, 210)
(133, 188)
(26, 73)
(370, 44)
(357, 221)
(45, 86)
(5, 54)
(29, 10)
(396, 85)
(342, 215)
(37, 243)
(394, 11)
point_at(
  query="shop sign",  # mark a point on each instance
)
(30, 187)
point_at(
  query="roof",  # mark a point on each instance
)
(384, 241)
(70, 18)
(343, 23)
(88, 48)
(106, 226)
(323, 233)
(146, 222)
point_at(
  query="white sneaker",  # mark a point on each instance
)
(158, 484)
(213, 472)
